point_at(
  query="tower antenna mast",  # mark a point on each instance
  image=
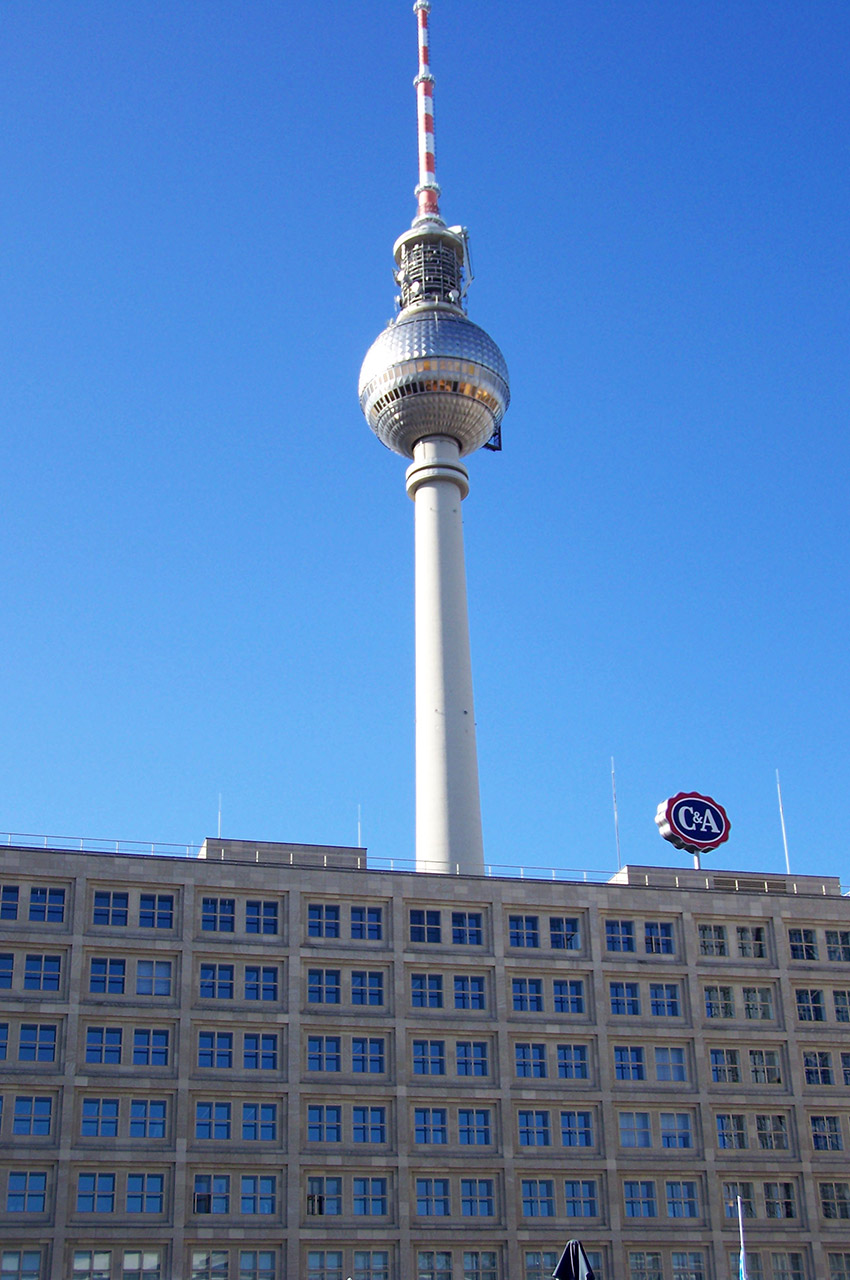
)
(434, 387)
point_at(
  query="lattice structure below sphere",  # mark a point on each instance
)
(433, 372)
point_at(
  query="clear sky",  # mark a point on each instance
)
(206, 557)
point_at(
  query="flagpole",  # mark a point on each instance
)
(742, 1263)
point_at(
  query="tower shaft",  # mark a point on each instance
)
(448, 807)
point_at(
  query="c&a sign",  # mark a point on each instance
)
(693, 822)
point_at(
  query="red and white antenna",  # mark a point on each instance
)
(428, 191)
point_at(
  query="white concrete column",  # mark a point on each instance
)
(448, 807)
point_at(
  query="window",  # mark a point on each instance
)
(216, 982)
(26, 1192)
(835, 1199)
(564, 933)
(534, 1129)
(670, 1064)
(369, 1124)
(472, 1058)
(323, 1053)
(434, 1266)
(845, 1068)
(645, 1266)
(476, 1197)
(324, 1124)
(257, 1264)
(99, 1118)
(731, 1132)
(539, 1264)
(322, 921)
(841, 1002)
(215, 1049)
(36, 1042)
(90, 1264)
(681, 1200)
(826, 1133)
(147, 1117)
(212, 1121)
(9, 895)
(664, 999)
(4, 1040)
(712, 940)
(324, 1196)
(676, 1130)
(367, 1055)
(432, 1197)
(257, 1193)
(634, 1129)
(466, 929)
(212, 1193)
(429, 1125)
(758, 1003)
(538, 1198)
(7, 965)
(764, 1066)
(367, 924)
(259, 1121)
(620, 935)
(530, 1060)
(473, 1125)
(429, 1057)
(259, 1052)
(751, 941)
(153, 978)
(95, 1193)
(426, 990)
(572, 1062)
(576, 1129)
(629, 1062)
(323, 986)
(478, 1265)
(370, 1196)
(261, 982)
(325, 1264)
(218, 915)
(109, 908)
(838, 945)
(817, 1068)
(469, 992)
(803, 944)
(719, 1002)
(425, 926)
(580, 1198)
(103, 1044)
(48, 906)
(810, 1005)
(527, 995)
(156, 911)
(523, 931)
(731, 1192)
(145, 1192)
(209, 1265)
(261, 916)
(33, 1117)
(658, 938)
(689, 1266)
(772, 1131)
(568, 995)
(839, 1266)
(150, 1047)
(787, 1266)
(41, 973)
(625, 997)
(639, 1199)
(725, 1066)
(106, 976)
(779, 1200)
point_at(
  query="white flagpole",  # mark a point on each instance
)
(616, 815)
(742, 1265)
(782, 821)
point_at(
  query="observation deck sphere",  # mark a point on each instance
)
(433, 372)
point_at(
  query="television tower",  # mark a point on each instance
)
(434, 388)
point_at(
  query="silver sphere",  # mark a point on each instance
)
(433, 372)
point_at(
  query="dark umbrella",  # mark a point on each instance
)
(573, 1263)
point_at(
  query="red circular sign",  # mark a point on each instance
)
(693, 822)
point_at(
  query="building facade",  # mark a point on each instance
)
(273, 1062)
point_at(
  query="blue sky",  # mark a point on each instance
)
(206, 557)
